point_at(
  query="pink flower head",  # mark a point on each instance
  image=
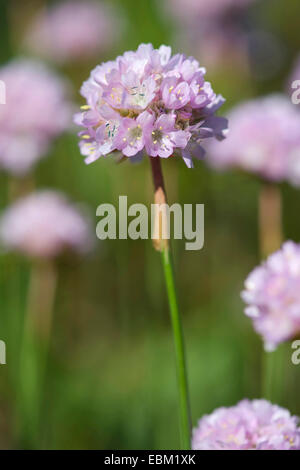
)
(272, 296)
(73, 30)
(264, 139)
(204, 9)
(44, 224)
(36, 111)
(149, 101)
(250, 425)
(216, 30)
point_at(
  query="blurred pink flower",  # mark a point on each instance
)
(44, 224)
(250, 425)
(221, 45)
(264, 139)
(73, 30)
(272, 296)
(36, 111)
(195, 10)
(213, 29)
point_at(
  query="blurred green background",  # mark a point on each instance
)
(111, 381)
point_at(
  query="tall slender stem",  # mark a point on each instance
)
(163, 246)
(185, 420)
(270, 235)
(270, 225)
(34, 349)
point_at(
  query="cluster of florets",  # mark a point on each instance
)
(149, 101)
(273, 297)
(250, 425)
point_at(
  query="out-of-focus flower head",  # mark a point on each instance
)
(149, 101)
(250, 425)
(264, 139)
(73, 30)
(44, 225)
(272, 296)
(203, 10)
(37, 110)
(215, 30)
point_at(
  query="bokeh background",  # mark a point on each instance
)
(111, 381)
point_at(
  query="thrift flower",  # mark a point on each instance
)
(273, 298)
(36, 111)
(73, 30)
(205, 10)
(264, 139)
(44, 224)
(250, 425)
(215, 30)
(149, 101)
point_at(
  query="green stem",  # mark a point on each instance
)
(268, 375)
(184, 406)
(275, 375)
(34, 351)
(162, 245)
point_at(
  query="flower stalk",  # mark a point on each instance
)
(270, 215)
(163, 246)
(270, 234)
(35, 347)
